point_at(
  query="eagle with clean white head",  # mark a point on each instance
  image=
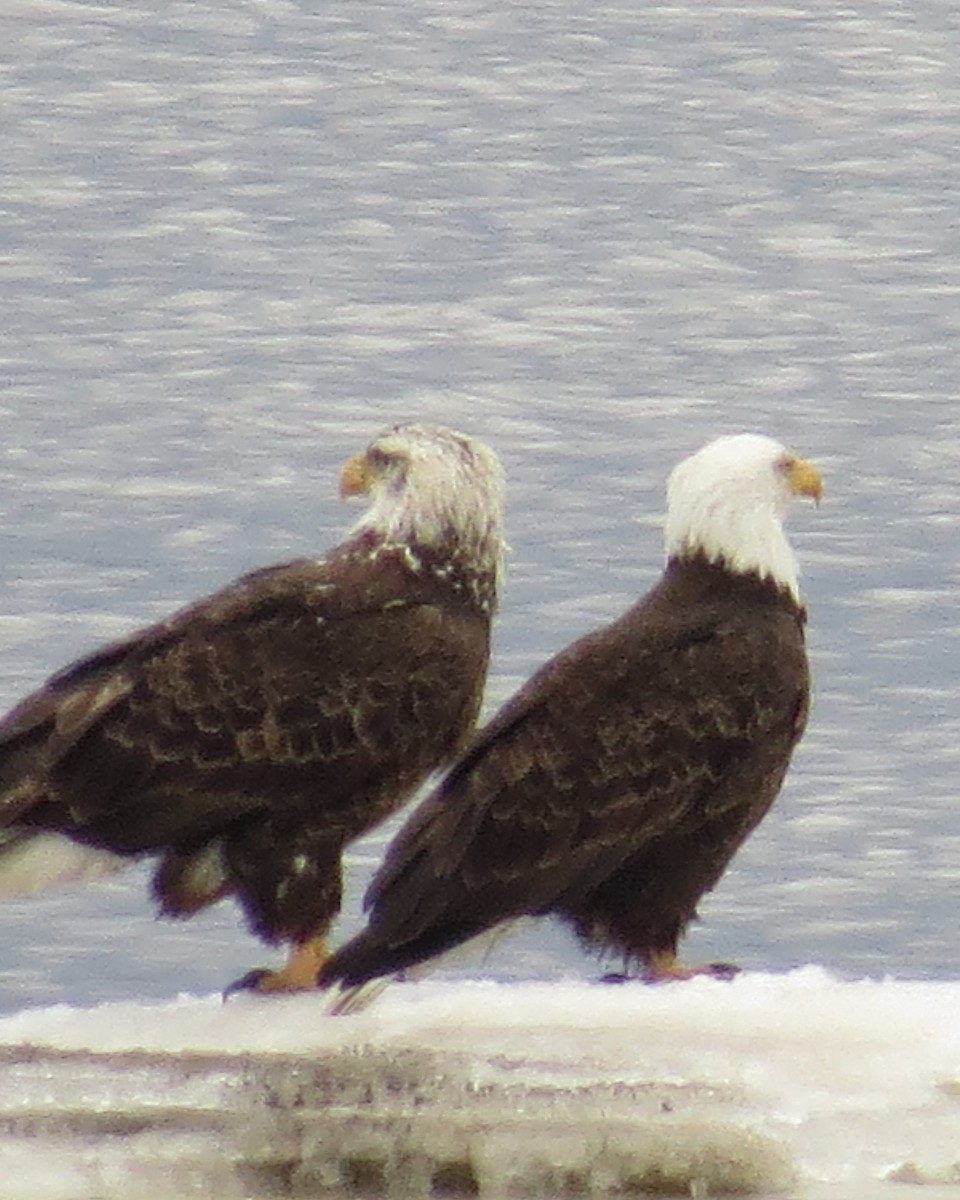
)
(615, 787)
(246, 740)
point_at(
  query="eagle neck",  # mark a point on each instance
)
(746, 540)
(471, 576)
(715, 577)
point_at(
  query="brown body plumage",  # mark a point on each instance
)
(615, 787)
(246, 740)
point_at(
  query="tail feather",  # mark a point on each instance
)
(32, 860)
(371, 955)
(348, 1001)
(360, 960)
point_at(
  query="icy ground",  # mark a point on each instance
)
(769, 1084)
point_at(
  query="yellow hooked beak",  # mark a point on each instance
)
(356, 477)
(805, 480)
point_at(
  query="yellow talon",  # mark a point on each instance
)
(299, 974)
(663, 966)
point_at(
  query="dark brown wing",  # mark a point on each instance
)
(654, 725)
(326, 687)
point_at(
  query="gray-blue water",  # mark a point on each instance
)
(237, 239)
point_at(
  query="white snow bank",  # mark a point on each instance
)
(757, 1085)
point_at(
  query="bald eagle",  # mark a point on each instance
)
(247, 739)
(615, 787)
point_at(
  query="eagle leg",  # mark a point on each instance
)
(299, 974)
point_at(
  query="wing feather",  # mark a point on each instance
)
(620, 740)
(305, 673)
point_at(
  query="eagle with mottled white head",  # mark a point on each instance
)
(246, 740)
(617, 784)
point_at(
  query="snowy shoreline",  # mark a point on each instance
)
(770, 1084)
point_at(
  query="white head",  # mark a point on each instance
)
(431, 487)
(728, 502)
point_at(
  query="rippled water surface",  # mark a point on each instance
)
(237, 240)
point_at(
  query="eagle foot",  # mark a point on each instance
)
(299, 974)
(251, 982)
(719, 970)
(671, 971)
(667, 968)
